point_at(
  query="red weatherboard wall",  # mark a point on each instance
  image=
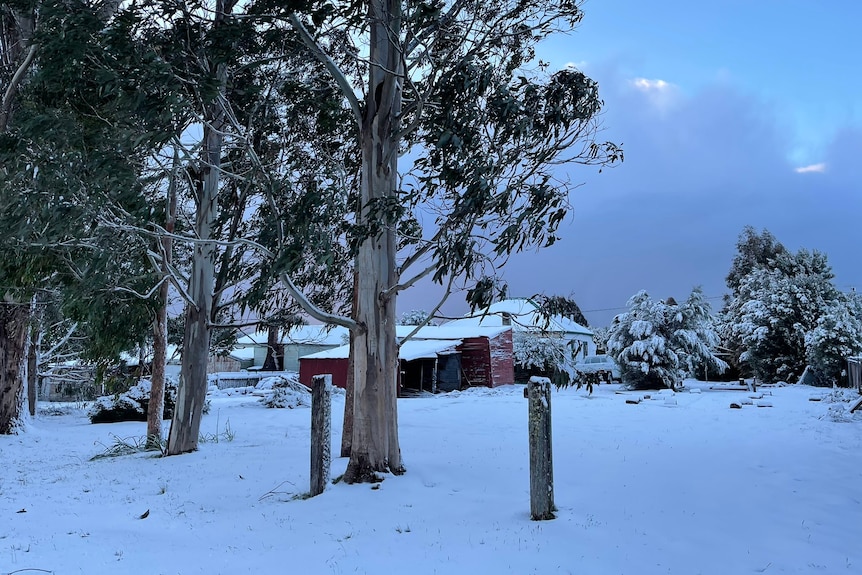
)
(488, 362)
(308, 368)
(502, 359)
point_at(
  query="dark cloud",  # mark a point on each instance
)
(698, 168)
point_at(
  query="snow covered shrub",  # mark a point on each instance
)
(131, 405)
(415, 317)
(532, 350)
(537, 354)
(286, 393)
(656, 343)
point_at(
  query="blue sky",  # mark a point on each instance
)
(799, 57)
(731, 113)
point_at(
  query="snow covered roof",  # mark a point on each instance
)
(451, 331)
(340, 352)
(427, 343)
(307, 334)
(242, 353)
(524, 315)
(409, 351)
(425, 348)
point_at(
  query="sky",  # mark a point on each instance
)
(731, 113)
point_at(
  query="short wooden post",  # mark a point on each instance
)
(321, 432)
(541, 460)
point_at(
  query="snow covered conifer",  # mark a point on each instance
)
(695, 336)
(838, 335)
(640, 342)
(769, 319)
(657, 343)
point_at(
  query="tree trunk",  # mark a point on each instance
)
(33, 371)
(347, 425)
(192, 389)
(156, 407)
(274, 351)
(375, 446)
(14, 324)
(34, 349)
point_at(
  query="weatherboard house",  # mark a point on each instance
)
(435, 359)
(297, 341)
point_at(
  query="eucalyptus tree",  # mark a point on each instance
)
(217, 91)
(455, 84)
(57, 157)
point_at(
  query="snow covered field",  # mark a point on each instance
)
(691, 488)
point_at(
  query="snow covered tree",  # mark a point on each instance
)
(837, 336)
(754, 250)
(536, 351)
(695, 335)
(771, 312)
(600, 337)
(640, 343)
(415, 317)
(657, 343)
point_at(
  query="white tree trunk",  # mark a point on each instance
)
(192, 389)
(375, 447)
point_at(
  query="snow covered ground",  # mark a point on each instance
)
(691, 488)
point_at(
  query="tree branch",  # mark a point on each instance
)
(12, 88)
(330, 64)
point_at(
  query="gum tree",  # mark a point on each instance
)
(455, 85)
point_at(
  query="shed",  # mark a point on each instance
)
(437, 358)
(854, 372)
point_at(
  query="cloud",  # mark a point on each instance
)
(577, 65)
(647, 85)
(668, 218)
(695, 173)
(663, 95)
(813, 168)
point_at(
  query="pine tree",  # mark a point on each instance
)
(657, 343)
(640, 343)
(837, 336)
(769, 318)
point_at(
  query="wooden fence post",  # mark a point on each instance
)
(541, 460)
(321, 432)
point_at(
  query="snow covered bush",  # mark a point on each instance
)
(131, 405)
(552, 357)
(657, 343)
(287, 392)
(532, 350)
(415, 317)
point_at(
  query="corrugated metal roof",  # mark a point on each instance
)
(409, 351)
(307, 334)
(525, 317)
